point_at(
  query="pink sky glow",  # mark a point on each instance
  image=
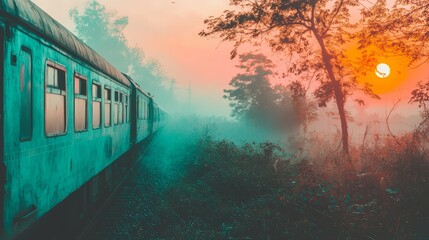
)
(168, 33)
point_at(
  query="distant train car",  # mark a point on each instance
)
(141, 126)
(66, 115)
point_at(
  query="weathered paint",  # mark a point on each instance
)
(43, 171)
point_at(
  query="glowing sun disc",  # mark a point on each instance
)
(382, 70)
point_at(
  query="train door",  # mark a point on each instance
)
(2, 165)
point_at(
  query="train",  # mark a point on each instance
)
(67, 117)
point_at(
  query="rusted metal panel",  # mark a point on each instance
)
(31, 15)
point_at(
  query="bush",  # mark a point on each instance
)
(257, 191)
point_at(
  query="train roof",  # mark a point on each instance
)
(33, 16)
(138, 87)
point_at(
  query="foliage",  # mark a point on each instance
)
(420, 95)
(252, 96)
(103, 31)
(313, 32)
(305, 109)
(404, 24)
(254, 99)
(256, 192)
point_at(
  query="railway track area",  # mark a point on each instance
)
(133, 207)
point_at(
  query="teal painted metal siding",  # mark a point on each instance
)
(45, 170)
(39, 171)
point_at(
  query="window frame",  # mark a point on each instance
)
(116, 107)
(126, 105)
(80, 96)
(100, 100)
(51, 90)
(121, 107)
(105, 101)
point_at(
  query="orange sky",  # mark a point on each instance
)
(168, 32)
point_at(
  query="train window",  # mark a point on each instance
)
(107, 106)
(55, 100)
(120, 108)
(96, 106)
(80, 103)
(126, 109)
(26, 110)
(116, 108)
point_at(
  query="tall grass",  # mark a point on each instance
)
(232, 189)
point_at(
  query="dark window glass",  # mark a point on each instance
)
(121, 106)
(116, 108)
(126, 109)
(96, 106)
(26, 110)
(80, 104)
(107, 106)
(55, 100)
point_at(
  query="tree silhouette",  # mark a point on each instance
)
(304, 108)
(103, 31)
(312, 31)
(400, 29)
(252, 97)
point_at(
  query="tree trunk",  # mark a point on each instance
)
(338, 92)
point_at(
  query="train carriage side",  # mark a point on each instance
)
(143, 124)
(144, 121)
(66, 118)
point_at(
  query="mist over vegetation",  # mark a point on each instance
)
(203, 181)
(299, 160)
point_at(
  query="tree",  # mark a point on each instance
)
(404, 24)
(420, 95)
(252, 97)
(313, 31)
(305, 109)
(103, 31)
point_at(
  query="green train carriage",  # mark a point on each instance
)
(66, 116)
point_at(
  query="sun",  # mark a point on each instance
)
(382, 70)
